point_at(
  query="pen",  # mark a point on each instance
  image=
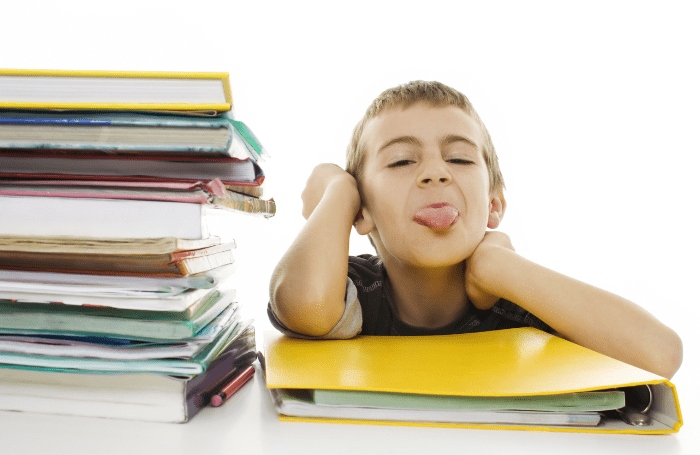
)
(229, 389)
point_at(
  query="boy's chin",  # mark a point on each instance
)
(436, 264)
(438, 259)
(431, 254)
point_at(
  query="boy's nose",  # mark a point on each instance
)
(434, 172)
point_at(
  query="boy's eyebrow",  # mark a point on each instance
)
(411, 140)
(452, 138)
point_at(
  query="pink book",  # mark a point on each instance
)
(193, 193)
(230, 171)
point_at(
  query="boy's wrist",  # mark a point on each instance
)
(487, 263)
(321, 185)
(343, 190)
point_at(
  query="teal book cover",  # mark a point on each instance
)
(132, 324)
(187, 367)
(122, 132)
(250, 140)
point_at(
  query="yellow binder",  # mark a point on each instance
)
(513, 362)
(108, 90)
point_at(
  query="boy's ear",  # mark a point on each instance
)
(496, 210)
(364, 223)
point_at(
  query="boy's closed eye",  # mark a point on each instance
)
(460, 161)
(401, 163)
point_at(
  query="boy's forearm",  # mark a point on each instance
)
(582, 313)
(307, 290)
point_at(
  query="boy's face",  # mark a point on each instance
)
(425, 187)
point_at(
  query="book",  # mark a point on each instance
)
(209, 299)
(89, 364)
(301, 403)
(147, 301)
(119, 90)
(103, 218)
(565, 402)
(154, 291)
(176, 263)
(251, 141)
(116, 265)
(112, 285)
(134, 396)
(127, 133)
(121, 348)
(97, 167)
(512, 363)
(254, 189)
(77, 245)
(27, 306)
(123, 323)
(212, 193)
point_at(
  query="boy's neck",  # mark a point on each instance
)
(428, 298)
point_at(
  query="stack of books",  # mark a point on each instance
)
(116, 295)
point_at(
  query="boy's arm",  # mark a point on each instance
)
(582, 313)
(307, 288)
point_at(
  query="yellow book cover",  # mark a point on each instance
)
(115, 90)
(514, 362)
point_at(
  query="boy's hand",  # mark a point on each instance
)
(475, 284)
(321, 177)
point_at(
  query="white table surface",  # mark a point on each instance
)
(247, 424)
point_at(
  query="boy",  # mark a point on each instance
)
(423, 182)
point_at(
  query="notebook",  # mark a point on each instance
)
(122, 90)
(506, 363)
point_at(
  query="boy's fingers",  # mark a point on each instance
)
(481, 300)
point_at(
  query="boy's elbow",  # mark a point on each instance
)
(306, 313)
(664, 356)
(673, 357)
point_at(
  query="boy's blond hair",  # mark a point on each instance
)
(405, 95)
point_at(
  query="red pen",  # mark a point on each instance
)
(229, 389)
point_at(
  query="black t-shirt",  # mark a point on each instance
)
(379, 315)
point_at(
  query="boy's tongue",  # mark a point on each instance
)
(437, 216)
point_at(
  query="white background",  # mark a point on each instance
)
(593, 108)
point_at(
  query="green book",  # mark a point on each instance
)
(195, 309)
(178, 367)
(255, 148)
(568, 402)
(133, 324)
